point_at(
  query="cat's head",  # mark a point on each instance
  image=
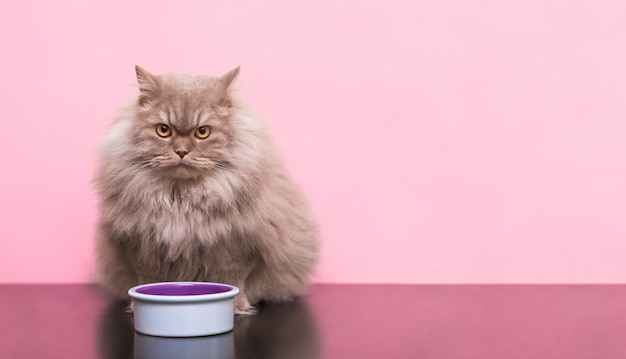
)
(182, 128)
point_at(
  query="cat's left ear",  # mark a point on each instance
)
(227, 80)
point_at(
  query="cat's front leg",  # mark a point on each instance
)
(235, 273)
(114, 270)
(243, 306)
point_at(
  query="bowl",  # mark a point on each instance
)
(183, 309)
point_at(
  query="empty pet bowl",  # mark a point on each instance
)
(183, 309)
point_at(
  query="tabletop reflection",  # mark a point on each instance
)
(212, 347)
(278, 331)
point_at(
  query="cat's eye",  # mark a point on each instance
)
(163, 130)
(203, 132)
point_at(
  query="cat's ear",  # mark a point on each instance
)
(227, 80)
(147, 85)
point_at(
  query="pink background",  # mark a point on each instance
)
(439, 141)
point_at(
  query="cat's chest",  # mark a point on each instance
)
(176, 208)
(178, 216)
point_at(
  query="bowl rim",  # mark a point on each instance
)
(135, 295)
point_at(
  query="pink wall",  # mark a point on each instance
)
(439, 141)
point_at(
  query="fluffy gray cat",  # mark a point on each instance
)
(192, 189)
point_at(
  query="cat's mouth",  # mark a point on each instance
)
(179, 164)
(181, 161)
(183, 164)
(182, 170)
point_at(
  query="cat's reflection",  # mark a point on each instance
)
(115, 332)
(278, 331)
(285, 330)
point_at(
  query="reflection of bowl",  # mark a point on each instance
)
(183, 309)
(213, 347)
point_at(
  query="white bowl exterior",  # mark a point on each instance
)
(184, 315)
(184, 319)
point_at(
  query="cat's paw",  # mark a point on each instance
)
(243, 307)
(130, 308)
(250, 310)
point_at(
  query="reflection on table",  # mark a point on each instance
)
(284, 330)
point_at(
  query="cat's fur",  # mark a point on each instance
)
(224, 212)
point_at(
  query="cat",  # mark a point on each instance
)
(191, 189)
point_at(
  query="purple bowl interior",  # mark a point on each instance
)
(172, 289)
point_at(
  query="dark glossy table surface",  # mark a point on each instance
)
(336, 321)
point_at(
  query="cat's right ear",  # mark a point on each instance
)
(147, 86)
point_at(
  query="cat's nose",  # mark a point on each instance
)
(181, 153)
